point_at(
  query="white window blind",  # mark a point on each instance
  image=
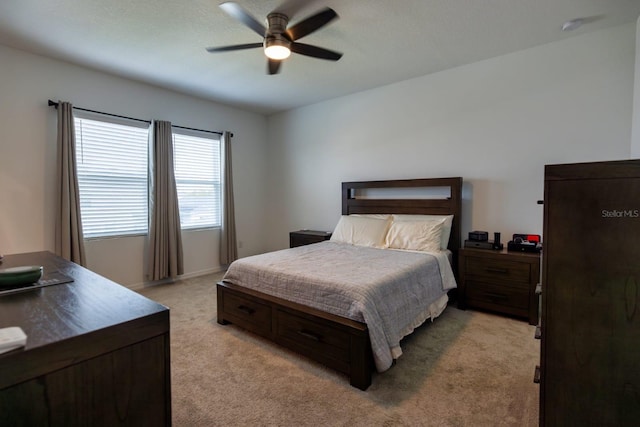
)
(196, 158)
(112, 177)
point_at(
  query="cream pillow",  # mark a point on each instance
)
(361, 231)
(375, 216)
(415, 235)
(446, 230)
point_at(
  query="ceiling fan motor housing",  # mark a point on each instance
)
(276, 40)
(277, 23)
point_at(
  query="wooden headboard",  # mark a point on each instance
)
(451, 204)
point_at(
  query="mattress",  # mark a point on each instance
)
(392, 291)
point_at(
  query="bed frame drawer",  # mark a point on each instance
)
(340, 343)
(248, 312)
(310, 337)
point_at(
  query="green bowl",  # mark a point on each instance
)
(19, 276)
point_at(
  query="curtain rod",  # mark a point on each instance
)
(55, 104)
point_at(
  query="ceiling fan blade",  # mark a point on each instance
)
(315, 51)
(236, 11)
(234, 47)
(273, 66)
(311, 24)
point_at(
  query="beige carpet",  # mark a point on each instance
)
(467, 368)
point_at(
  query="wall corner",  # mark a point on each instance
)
(635, 118)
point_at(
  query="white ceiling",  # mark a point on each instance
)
(163, 42)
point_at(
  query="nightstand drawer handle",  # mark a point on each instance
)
(497, 270)
(500, 297)
(246, 309)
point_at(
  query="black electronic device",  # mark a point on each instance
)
(496, 241)
(487, 244)
(480, 240)
(525, 243)
(479, 236)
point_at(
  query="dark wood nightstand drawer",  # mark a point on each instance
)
(499, 271)
(497, 295)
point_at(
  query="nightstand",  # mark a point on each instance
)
(306, 237)
(500, 281)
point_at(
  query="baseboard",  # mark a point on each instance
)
(142, 285)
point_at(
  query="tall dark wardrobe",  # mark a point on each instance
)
(590, 315)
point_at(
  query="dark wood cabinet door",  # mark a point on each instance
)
(126, 387)
(591, 302)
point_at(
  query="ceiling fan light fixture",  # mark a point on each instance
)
(277, 48)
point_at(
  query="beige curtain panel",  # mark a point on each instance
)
(228, 245)
(69, 241)
(165, 259)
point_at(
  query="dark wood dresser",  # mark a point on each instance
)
(97, 353)
(501, 281)
(307, 237)
(590, 318)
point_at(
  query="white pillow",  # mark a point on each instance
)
(446, 229)
(375, 216)
(415, 235)
(361, 231)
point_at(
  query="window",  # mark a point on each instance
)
(196, 158)
(112, 164)
(111, 161)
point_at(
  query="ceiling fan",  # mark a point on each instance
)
(278, 40)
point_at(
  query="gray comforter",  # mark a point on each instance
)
(389, 290)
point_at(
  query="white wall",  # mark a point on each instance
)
(28, 159)
(496, 123)
(635, 133)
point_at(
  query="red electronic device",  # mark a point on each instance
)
(527, 237)
(525, 243)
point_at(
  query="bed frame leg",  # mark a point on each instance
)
(360, 372)
(220, 306)
(360, 381)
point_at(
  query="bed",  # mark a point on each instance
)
(332, 301)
